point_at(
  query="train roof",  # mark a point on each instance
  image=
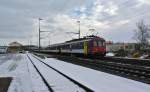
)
(78, 40)
(85, 38)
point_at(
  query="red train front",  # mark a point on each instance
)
(97, 47)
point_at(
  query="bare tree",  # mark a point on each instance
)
(142, 34)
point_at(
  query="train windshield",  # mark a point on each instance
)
(99, 43)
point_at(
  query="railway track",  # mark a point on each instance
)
(132, 61)
(130, 69)
(86, 89)
(134, 72)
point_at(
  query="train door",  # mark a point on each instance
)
(85, 48)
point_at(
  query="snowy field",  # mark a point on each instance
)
(26, 78)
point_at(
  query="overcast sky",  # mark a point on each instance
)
(114, 20)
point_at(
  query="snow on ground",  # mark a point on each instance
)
(24, 76)
(57, 81)
(96, 80)
(36, 80)
(16, 67)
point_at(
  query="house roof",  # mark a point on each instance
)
(15, 44)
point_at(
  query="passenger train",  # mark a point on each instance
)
(87, 46)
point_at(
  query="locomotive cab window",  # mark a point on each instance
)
(100, 43)
(94, 43)
(104, 43)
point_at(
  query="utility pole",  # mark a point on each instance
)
(39, 34)
(79, 28)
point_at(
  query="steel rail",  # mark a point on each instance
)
(64, 75)
(44, 80)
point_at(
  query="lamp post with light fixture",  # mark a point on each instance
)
(39, 34)
(79, 28)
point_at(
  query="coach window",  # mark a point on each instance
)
(81, 44)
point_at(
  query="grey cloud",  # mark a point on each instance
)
(17, 15)
(19, 18)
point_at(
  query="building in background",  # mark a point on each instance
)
(15, 47)
(114, 47)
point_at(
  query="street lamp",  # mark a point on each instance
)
(39, 33)
(79, 27)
